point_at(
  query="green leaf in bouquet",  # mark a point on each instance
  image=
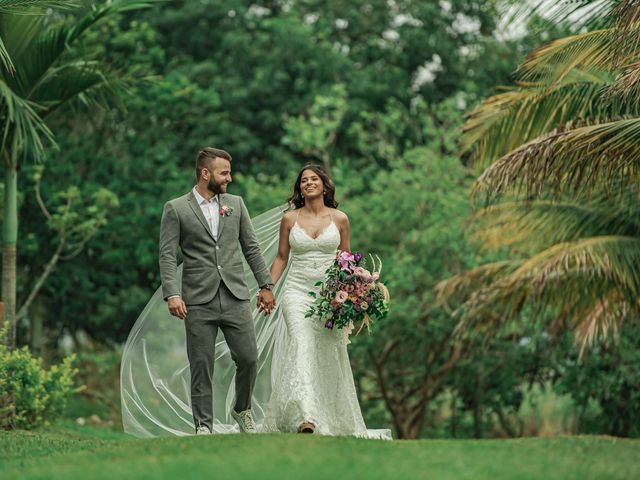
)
(318, 283)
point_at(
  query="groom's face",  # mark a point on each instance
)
(219, 175)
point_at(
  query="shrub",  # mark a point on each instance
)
(30, 395)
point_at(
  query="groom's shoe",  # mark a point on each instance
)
(203, 430)
(245, 421)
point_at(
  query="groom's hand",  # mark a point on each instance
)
(266, 301)
(177, 308)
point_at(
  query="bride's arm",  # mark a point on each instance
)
(282, 257)
(343, 226)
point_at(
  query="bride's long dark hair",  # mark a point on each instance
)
(297, 199)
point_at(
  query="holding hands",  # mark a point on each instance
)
(266, 304)
(266, 301)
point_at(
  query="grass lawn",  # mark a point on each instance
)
(73, 452)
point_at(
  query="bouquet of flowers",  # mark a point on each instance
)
(350, 294)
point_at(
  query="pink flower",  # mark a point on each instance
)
(226, 210)
(375, 276)
(341, 296)
(345, 260)
(361, 272)
(346, 255)
(364, 306)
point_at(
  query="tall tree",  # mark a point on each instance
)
(37, 76)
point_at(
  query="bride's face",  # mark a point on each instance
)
(311, 184)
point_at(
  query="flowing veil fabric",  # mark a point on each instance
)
(154, 373)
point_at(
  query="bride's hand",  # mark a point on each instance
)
(266, 301)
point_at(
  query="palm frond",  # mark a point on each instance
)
(79, 81)
(532, 226)
(100, 12)
(576, 159)
(462, 284)
(593, 50)
(18, 33)
(23, 124)
(505, 121)
(626, 15)
(571, 278)
(39, 53)
(579, 13)
(5, 58)
(34, 7)
(603, 257)
(606, 315)
(25, 7)
(627, 86)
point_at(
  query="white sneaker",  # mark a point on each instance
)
(245, 421)
(203, 430)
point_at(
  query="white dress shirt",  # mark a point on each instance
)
(210, 210)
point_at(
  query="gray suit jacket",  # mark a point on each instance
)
(207, 262)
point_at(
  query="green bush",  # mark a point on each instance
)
(30, 395)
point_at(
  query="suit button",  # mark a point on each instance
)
(219, 267)
(217, 248)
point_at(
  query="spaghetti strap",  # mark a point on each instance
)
(297, 215)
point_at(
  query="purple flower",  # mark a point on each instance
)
(357, 257)
(329, 324)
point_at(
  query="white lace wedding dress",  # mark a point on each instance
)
(315, 383)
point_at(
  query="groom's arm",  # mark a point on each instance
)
(169, 240)
(251, 248)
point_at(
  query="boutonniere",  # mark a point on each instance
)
(226, 210)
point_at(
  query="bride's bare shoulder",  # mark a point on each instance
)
(289, 218)
(340, 217)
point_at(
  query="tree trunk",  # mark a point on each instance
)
(454, 415)
(477, 419)
(10, 238)
(37, 334)
(409, 419)
(505, 423)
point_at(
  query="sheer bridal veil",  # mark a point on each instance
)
(154, 373)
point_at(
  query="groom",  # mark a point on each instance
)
(211, 227)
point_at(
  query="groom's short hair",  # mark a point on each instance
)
(208, 155)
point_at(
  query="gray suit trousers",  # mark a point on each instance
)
(233, 317)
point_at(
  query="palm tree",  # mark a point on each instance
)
(561, 159)
(38, 75)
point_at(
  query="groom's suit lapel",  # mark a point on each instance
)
(221, 202)
(193, 203)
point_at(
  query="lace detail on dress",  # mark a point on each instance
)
(316, 383)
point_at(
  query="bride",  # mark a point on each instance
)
(315, 391)
(304, 382)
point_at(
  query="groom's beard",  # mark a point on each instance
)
(215, 187)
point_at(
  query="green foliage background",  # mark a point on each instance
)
(280, 85)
